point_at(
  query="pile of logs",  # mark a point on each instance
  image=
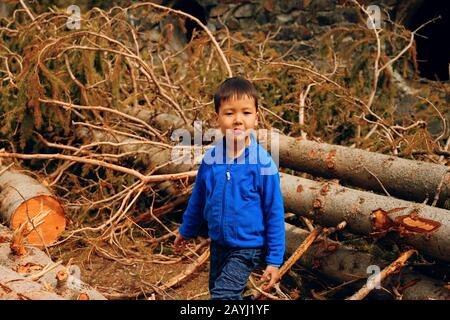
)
(36, 219)
(30, 274)
(343, 263)
(421, 226)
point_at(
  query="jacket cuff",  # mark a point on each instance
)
(270, 261)
(187, 236)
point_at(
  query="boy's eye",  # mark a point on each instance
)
(247, 112)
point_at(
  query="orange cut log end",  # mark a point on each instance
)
(52, 226)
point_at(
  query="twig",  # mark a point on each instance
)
(308, 223)
(27, 10)
(6, 168)
(260, 292)
(438, 190)
(301, 111)
(100, 108)
(205, 28)
(445, 150)
(300, 251)
(201, 294)
(186, 273)
(275, 115)
(393, 267)
(381, 184)
(295, 256)
(49, 267)
(444, 122)
(144, 178)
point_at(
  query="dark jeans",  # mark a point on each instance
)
(230, 269)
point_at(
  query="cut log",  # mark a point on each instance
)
(163, 121)
(24, 200)
(64, 283)
(343, 263)
(14, 286)
(405, 179)
(167, 122)
(424, 227)
(154, 155)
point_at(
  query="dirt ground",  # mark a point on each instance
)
(133, 278)
(136, 277)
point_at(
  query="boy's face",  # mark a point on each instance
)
(237, 117)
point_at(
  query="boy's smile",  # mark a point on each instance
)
(236, 118)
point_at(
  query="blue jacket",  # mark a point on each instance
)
(240, 199)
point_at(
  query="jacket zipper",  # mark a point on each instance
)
(228, 177)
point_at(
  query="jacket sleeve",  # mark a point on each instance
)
(193, 216)
(273, 208)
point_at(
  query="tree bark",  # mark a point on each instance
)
(162, 121)
(14, 286)
(389, 270)
(25, 266)
(424, 227)
(406, 179)
(343, 263)
(22, 198)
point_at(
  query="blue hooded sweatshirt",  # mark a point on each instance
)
(240, 199)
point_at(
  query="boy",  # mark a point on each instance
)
(237, 191)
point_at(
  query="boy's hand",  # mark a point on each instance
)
(271, 273)
(179, 243)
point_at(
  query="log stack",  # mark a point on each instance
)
(424, 227)
(36, 219)
(406, 179)
(343, 263)
(32, 275)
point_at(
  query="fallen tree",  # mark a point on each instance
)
(154, 155)
(424, 227)
(343, 263)
(25, 200)
(34, 275)
(406, 179)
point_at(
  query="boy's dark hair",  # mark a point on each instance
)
(235, 88)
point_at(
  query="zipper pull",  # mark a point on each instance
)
(228, 175)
